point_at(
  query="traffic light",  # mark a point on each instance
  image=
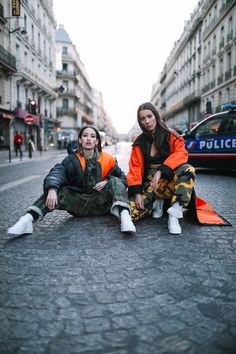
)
(32, 107)
(58, 126)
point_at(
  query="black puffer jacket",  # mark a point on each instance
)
(69, 172)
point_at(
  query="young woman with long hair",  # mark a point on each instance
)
(88, 182)
(159, 170)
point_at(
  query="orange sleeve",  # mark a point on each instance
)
(136, 167)
(178, 153)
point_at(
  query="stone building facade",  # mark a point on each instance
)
(30, 39)
(200, 73)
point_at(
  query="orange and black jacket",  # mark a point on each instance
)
(138, 163)
(70, 172)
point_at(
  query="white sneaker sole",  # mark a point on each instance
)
(13, 230)
(130, 229)
(156, 215)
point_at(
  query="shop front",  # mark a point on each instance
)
(27, 128)
(6, 119)
(50, 134)
(67, 138)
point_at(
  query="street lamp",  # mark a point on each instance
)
(19, 29)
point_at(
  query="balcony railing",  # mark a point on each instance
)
(69, 74)
(8, 59)
(65, 111)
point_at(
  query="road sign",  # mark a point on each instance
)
(29, 118)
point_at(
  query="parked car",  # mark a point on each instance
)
(212, 142)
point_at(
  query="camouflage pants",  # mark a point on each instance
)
(179, 189)
(113, 195)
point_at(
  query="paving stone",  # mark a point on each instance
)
(69, 289)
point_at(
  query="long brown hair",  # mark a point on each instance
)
(162, 133)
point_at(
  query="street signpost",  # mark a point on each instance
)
(29, 118)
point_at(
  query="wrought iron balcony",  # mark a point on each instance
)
(63, 111)
(8, 60)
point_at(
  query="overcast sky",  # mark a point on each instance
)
(124, 45)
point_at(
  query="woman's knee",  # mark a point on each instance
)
(115, 184)
(186, 171)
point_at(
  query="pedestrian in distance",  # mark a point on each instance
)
(31, 146)
(18, 141)
(88, 182)
(159, 171)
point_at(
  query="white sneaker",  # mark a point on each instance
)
(174, 226)
(23, 226)
(176, 210)
(127, 224)
(158, 208)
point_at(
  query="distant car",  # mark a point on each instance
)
(212, 142)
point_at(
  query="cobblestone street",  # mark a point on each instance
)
(80, 286)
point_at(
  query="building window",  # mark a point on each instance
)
(230, 30)
(64, 50)
(39, 43)
(220, 98)
(32, 34)
(65, 67)
(221, 67)
(18, 92)
(213, 72)
(25, 23)
(65, 103)
(227, 95)
(26, 59)
(229, 61)
(26, 99)
(222, 36)
(44, 49)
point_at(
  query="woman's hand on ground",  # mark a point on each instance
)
(99, 186)
(139, 201)
(52, 200)
(155, 180)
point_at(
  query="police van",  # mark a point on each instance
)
(212, 142)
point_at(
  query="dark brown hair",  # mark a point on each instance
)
(98, 137)
(162, 133)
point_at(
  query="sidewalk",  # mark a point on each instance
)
(4, 156)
